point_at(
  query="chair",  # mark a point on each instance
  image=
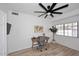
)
(46, 42)
(42, 42)
(34, 42)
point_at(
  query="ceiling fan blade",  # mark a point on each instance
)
(42, 6)
(45, 16)
(41, 15)
(51, 15)
(57, 13)
(52, 6)
(39, 11)
(61, 7)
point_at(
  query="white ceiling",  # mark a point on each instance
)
(29, 8)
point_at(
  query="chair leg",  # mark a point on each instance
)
(45, 48)
(41, 50)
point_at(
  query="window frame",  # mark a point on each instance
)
(71, 29)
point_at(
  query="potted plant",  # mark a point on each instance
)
(53, 30)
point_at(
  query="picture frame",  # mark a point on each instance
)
(38, 28)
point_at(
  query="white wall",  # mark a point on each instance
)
(22, 30)
(3, 41)
(71, 42)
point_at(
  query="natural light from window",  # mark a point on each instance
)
(68, 29)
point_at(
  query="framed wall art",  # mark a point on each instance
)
(38, 29)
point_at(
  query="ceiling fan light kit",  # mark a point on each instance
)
(49, 10)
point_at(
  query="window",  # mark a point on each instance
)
(60, 29)
(74, 29)
(69, 29)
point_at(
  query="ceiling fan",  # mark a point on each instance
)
(49, 10)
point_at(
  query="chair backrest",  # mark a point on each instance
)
(42, 39)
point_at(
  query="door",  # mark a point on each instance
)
(3, 42)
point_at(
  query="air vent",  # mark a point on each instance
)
(14, 13)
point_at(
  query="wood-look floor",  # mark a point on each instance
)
(53, 50)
